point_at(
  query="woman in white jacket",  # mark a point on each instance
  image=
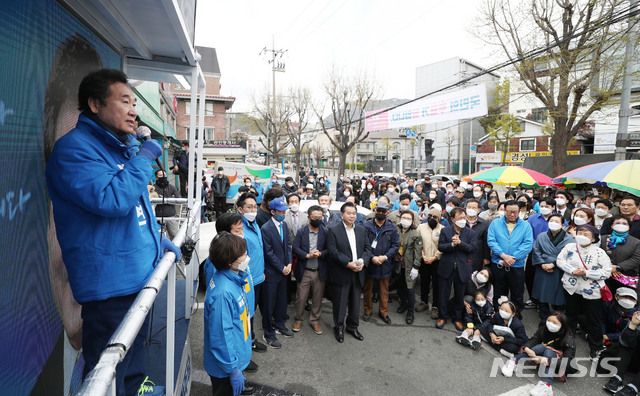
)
(585, 266)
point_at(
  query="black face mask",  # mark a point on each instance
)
(432, 223)
(381, 216)
(315, 222)
(521, 204)
(162, 182)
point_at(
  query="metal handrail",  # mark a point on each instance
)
(100, 379)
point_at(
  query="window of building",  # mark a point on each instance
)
(539, 114)
(528, 144)
(187, 107)
(208, 108)
(208, 133)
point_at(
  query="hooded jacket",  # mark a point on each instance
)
(518, 244)
(105, 224)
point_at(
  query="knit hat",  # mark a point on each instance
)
(434, 211)
(593, 230)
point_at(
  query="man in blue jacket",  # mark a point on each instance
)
(277, 267)
(510, 239)
(457, 243)
(385, 243)
(248, 209)
(97, 176)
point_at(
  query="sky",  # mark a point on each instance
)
(386, 39)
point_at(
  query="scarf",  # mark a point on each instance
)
(555, 240)
(616, 239)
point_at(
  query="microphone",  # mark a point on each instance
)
(143, 132)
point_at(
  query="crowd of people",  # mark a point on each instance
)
(473, 250)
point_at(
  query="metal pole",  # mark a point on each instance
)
(460, 149)
(622, 139)
(470, 138)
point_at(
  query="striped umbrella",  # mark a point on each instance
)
(512, 176)
(621, 175)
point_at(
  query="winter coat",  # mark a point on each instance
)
(598, 269)
(388, 243)
(411, 253)
(547, 286)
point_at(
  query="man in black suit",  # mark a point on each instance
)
(482, 255)
(349, 252)
(277, 265)
(457, 244)
(310, 247)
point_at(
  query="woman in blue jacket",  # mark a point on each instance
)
(227, 332)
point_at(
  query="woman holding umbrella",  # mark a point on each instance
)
(624, 252)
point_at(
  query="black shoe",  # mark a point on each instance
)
(613, 385)
(272, 342)
(252, 367)
(259, 347)
(307, 306)
(409, 318)
(375, 298)
(249, 389)
(626, 391)
(356, 334)
(339, 335)
(402, 309)
(366, 317)
(385, 319)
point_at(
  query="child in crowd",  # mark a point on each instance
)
(481, 313)
(552, 346)
(505, 332)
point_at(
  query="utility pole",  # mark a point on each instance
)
(622, 139)
(275, 67)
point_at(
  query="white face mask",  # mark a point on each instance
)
(405, 223)
(470, 187)
(472, 212)
(450, 191)
(461, 223)
(433, 195)
(504, 314)
(248, 184)
(529, 195)
(553, 226)
(243, 265)
(294, 207)
(347, 193)
(477, 194)
(481, 278)
(626, 303)
(545, 211)
(560, 201)
(404, 207)
(579, 221)
(481, 303)
(324, 207)
(601, 212)
(449, 209)
(220, 172)
(583, 240)
(552, 327)
(289, 184)
(620, 228)
(250, 216)
(487, 189)
(369, 187)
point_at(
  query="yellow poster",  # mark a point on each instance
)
(519, 157)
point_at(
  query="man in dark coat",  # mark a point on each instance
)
(457, 244)
(482, 255)
(349, 253)
(220, 187)
(385, 243)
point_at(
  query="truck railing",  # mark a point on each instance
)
(101, 380)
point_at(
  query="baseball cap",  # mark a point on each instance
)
(278, 204)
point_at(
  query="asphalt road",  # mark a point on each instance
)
(393, 359)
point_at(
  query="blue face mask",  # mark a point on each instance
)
(279, 218)
(184, 149)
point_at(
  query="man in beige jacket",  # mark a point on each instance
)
(430, 233)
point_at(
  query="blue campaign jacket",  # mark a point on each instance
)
(210, 270)
(277, 253)
(518, 243)
(388, 245)
(255, 250)
(260, 192)
(227, 329)
(105, 224)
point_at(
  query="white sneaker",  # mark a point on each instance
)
(541, 389)
(508, 368)
(506, 354)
